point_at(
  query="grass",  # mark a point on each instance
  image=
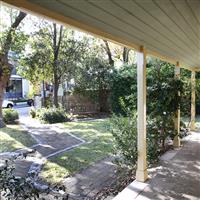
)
(13, 137)
(99, 146)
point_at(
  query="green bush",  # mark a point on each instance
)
(10, 116)
(123, 88)
(125, 136)
(14, 187)
(124, 131)
(32, 113)
(51, 115)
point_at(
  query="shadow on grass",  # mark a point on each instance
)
(99, 145)
(13, 138)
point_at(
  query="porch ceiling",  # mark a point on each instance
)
(169, 29)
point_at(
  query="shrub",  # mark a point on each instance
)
(124, 131)
(123, 88)
(32, 113)
(10, 116)
(13, 187)
(125, 135)
(52, 115)
(24, 188)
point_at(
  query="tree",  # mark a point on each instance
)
(108, 51)
(93, 80)
(97, 69)
(34, 66)
(8, 41)
(117, 52)
(92, 76)
(63, 50)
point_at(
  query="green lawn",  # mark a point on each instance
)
(99, 145)
(13, 137)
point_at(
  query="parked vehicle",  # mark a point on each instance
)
(30, 102)
(7, 104)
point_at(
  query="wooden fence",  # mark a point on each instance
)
(78, 104)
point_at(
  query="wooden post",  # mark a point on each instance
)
(193, 104)
(141, 173)
(176, 141)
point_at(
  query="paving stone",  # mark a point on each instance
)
(50, 142)
(92, 180)
(177, 178)
(82, 186)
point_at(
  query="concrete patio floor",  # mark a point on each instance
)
(176, 177)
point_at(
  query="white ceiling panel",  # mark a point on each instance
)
(167, 28)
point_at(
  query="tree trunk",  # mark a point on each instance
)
(44, 94)
(5, 73)
(55, 89)
(2, 124)
(5, 67)
(56, 48)
(108, 51)
(55, 93)
(126, 55)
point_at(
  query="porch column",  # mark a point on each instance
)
(141, 173)
(193, 104)
(176, 141)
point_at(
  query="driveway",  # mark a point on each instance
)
(23, 110)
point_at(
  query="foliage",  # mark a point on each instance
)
(125, 135)
(19, 38)
(35, 67)
(186, 97)
(123, 88)
(14, 187)
(32, 113)
(10, 116)
(94, 73)
(55, 54)
(52, 115)
(124, 132)
(9, 41)
(164, 96)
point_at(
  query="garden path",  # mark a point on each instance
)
(51, 140)
(177, 177)
(88, 184)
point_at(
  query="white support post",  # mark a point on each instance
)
(176, 141)
(193, 104)
(141, 173)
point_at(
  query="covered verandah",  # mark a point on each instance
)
(167, 29)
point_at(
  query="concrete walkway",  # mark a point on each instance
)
(177, 177)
